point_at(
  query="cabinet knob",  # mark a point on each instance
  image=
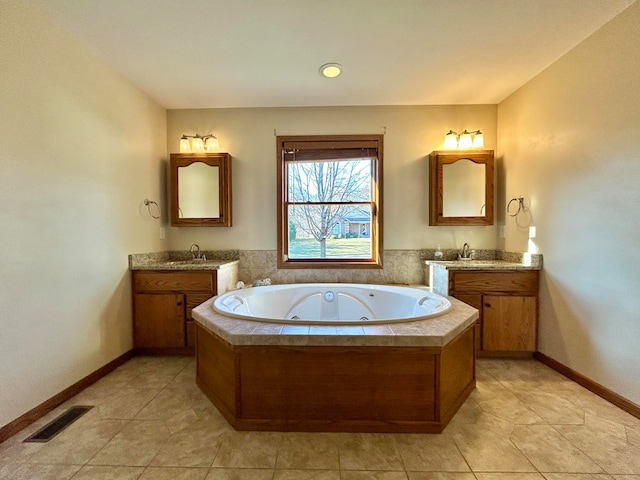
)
(487, 305)
(179, 303)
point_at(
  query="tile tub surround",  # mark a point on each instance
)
(399, 267)
(524, 421)
(432, 332)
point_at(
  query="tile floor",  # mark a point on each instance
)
(523, 422)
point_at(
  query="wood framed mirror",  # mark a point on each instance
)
(200, 189)
(461, 187)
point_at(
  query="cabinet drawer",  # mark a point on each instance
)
(512, 282)
(144, 281)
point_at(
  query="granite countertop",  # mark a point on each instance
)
(482, 265)
(182, 260)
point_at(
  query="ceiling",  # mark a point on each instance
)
(266, 53)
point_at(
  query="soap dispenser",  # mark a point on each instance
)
(438, 256)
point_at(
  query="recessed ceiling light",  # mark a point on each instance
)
(330, 70)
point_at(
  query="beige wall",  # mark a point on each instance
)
(411, 133)
(569, 142)
(80, 149)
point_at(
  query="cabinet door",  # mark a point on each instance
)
(159, 320)
(475, 300)
(509, 323)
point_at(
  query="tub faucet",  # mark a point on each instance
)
(466, 252)
(195, 252)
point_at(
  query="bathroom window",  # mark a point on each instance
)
(330, 201)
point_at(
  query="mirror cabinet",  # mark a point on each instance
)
(461, 187)
(200, 189)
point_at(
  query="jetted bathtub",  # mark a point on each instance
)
(332, 303)
(332, 370)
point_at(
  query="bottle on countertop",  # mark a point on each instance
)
(438, 256)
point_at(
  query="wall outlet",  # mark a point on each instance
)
(532, 232)
(163, 233)
(503, 231)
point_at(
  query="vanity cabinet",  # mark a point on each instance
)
(162, 303)
(508, 305)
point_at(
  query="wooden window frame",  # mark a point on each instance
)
(331, 142)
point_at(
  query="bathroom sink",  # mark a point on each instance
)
(188, 262)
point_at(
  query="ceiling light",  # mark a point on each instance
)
(331, 70)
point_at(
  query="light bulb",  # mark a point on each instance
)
(185, 146)
(451, 140)
(465, 140)
(197, 145)
(212, 144)
(478, 140)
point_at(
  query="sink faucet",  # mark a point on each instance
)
(466, 251)
(195, 251)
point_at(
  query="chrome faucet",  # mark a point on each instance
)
(195, 252)
(466, 252)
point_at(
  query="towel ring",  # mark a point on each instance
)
(520, 206)
(148, 203)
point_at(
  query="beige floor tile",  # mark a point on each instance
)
(169, 473)
(308, 451)
(592, 403)
(552, 408)
(611, 453)
(549, 451)
(240, 474)
(136, 445)
(14, 451)
(372, 475)
(441, 476)
(633, 435)
(471, 414)
(91, 472)
(430, 453)
(578, 476)
(190, 447)
(9, 471)
(79, 442)
(504, 404)
(504, 425)
(606, 426)
(115, 402)
(306, 475)
(186, 378)
(509, 476)
(248, 450)
(488, 452)
(171, 402)
(359, 451)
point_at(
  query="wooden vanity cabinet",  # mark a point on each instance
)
(162, 303)
(508, 305)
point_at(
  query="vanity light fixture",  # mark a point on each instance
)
(466, 139)
(198, 144)
(330, 70)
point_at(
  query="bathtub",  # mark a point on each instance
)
(332, 304)
(332, 371)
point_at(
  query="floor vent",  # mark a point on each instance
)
(54, 427)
